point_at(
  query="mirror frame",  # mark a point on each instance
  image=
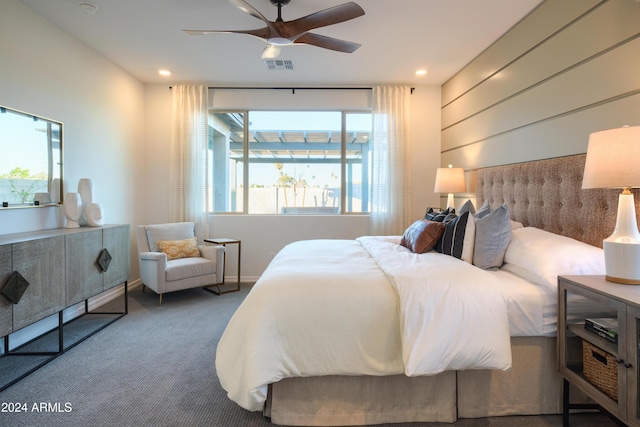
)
(52, 164)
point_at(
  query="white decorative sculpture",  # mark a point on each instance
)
(72, 209)
(54, 194)
(94, 215)
(85, 189)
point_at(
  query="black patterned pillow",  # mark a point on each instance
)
(441, 216)
(458, 237)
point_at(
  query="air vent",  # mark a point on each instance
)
(279, 64)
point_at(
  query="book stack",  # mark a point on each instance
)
(605, 327)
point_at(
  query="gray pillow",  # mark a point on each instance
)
(493, 234)
(483, 211)
(467, 207)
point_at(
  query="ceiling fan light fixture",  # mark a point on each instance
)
(279, 41)
(271, 51)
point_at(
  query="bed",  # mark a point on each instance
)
(364, 343)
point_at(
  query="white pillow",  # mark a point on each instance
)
(540, 256)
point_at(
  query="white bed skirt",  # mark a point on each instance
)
(532, 386)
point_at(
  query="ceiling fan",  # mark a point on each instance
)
(280, 33)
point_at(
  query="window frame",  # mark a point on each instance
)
(246, 160)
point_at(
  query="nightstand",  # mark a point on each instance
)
(224, 241)
(604, 366)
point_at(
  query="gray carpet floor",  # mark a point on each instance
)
(155, 367)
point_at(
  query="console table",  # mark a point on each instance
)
(60, 268)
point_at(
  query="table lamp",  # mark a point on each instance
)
(450, 180)
(613, 161)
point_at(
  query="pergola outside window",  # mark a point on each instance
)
(290, 162)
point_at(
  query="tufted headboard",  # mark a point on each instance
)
(547, 194)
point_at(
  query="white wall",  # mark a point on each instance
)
(46, 72)
(263, 235)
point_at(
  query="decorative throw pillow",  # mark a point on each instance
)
(458, 237)
(467, 207)
(430, 213)
(441, 216)
(179, 248)
(493, 234)
(422, 236)
(483, 211)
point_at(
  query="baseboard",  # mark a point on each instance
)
(107, 296)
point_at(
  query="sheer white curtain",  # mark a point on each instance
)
(390, 161)
(189, 166)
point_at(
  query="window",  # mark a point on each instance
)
(297, 162)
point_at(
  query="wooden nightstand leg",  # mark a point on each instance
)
(565, 403)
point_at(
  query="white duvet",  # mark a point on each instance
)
(361, 307)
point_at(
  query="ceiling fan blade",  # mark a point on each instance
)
(271, 51)
(327, 42)
(262, 33)
(330, 16)
(247, 8)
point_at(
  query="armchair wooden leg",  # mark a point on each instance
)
(160, 301)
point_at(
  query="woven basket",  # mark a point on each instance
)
(600, 369)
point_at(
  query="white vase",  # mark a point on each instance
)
(94, 215)
(85, 189)
(72, 209)
(54, 194)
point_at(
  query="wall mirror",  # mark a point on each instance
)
(30, 160)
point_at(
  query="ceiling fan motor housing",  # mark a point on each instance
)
(280, 3)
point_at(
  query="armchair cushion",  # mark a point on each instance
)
(171, 231)
(185, 268)
(175, 249)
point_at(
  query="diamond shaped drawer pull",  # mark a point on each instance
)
(104, 259)
(14, 288)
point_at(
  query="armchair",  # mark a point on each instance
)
(178, 264)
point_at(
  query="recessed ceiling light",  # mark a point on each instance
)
(165, 73)
(421, 72)
(88, 8)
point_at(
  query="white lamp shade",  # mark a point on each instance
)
(450, 180)
(613, 159)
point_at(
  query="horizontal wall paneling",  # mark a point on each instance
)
(609, 25)
(592, 82)
(540, 24)
(566, 70)
(560, 136)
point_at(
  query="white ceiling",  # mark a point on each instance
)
(397, 36)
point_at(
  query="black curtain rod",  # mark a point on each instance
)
(289, 88)
(292, 89)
